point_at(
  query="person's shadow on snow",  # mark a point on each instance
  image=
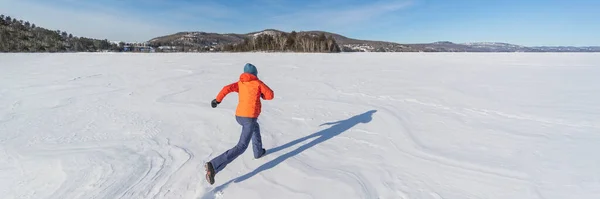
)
(321, 136)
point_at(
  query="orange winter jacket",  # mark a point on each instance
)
(249, 89)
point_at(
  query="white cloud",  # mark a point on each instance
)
(99, 24)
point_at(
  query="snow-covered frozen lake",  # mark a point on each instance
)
(352, 125)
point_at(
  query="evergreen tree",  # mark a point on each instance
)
(294, 42)
(19, 36)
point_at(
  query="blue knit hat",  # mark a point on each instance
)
(249, 68)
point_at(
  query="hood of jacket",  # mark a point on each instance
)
(246, 77)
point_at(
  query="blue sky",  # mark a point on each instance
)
(525, 22)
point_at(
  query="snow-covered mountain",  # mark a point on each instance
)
(203, 39)
(270, 32)
(197, 39)
(215, 40)
(568, 48)
(497, 46)
(357, 45)
(506, 47)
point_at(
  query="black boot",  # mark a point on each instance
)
(210, 173)
(263, 154)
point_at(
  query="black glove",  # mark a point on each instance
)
(214, 103)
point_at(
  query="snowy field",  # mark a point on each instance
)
(367, 125)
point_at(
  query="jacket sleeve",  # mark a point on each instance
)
(266, 91)
(226, 90)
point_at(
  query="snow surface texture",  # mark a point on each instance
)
(366, 125)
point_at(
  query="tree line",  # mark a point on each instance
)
(286, 42)
(22, 36)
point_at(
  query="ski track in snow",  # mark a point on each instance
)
(350, 125)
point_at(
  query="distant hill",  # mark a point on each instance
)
(266, 40)
(356, 45)
(567, 48)
(446, 46)
(22, 36)
(203, 41)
